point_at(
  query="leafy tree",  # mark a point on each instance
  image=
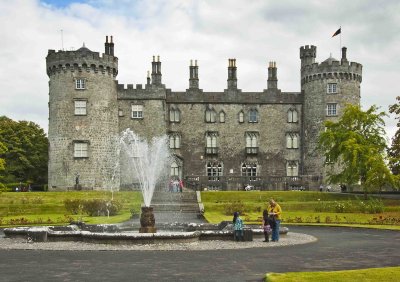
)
(394, 150)
(356, 147)
(25, 152)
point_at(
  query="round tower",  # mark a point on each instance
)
(83, 118)
(327, 88)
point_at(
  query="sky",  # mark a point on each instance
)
(210, 31)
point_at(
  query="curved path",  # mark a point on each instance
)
(336, 249)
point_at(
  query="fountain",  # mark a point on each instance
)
(148, 163)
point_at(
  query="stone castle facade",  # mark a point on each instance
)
(220, 140)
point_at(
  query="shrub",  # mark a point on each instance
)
(100, 207)
(231, 207)
(73, 206)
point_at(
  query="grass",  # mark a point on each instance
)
(371, 274)
(39, 208)
(299, 207)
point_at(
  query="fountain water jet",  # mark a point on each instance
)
(148, 162)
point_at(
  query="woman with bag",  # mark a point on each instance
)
(274, 212)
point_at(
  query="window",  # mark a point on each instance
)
(253, 115)
(174, 141)
(222, 116)
(331, 109)
(251, 142)
(80, 107)
(292, 115)
(214, 171)
(241, 117)
(81, 150)
(292, 168)
(211, 143)
(80, 83)
(175, 169)
(249, 170)
(292, 140)
(331, 88)
(174, 115)
(210, 115)
(137, 111)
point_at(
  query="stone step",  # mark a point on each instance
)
(171, 196)
(175, 207)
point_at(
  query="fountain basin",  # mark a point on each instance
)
(73, 233)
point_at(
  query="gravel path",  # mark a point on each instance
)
(286, 240)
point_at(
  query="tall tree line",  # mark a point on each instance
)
(23, 152)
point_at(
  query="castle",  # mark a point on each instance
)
(219, 140)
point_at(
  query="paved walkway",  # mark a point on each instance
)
(336, 249)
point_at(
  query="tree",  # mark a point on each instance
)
(25, 152)
(394, 150)
(355, 146)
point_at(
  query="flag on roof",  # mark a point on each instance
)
(337, 32)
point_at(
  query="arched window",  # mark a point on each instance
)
(292, 168)
(174, 115)
(174, 141)
(292, 140)
(253, 115)
(210, 115)
(175, 169)
(211, 143)
(292, 115)
(222, 116)
(251, 142)
(241, 117)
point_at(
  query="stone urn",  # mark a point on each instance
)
(147, 221)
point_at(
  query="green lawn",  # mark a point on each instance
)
(38, 208)
(365, 275)
(300, 207)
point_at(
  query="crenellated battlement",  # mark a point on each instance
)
(81, 60)
(308, 51)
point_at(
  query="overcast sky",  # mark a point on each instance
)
(252, 31)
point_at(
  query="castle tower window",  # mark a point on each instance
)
(292, 168)
(221, 116)
(80, 107)
(241, 117)
(81, 150)
(210, 115)
(251, 143)
(249, 170)
(214, 171)
(331, 88)
(211, 143)
(292, 116)
(174, 141)
(292, 140)
(137, 111)
(80, 83)
(253, 115)
(331, 109)
(174, 115)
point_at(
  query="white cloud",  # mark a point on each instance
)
(254, 32)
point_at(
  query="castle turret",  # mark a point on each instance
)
(232, 78)
(83, 118)
(327, 88)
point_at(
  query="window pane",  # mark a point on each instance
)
(241, 117)
(294, 116)
(177, 142)
(221, 117)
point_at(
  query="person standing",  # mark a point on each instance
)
(267, 222)
(180, 185)
(275, 212)
(237, 227)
